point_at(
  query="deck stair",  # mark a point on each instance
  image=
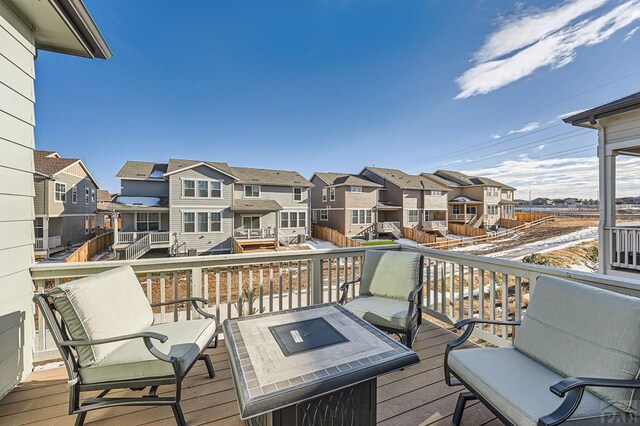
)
(477, 222)
(138, 248)
(391, 228)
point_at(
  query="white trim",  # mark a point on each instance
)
(325, 194)
(242, 216)
(221, 197)
(293, 193)
(330, 208)
(306, 219)
(324, 220)
(352, 187)
(195, 218)
(87, 195)
(55, 192)
(370, 211)
(74, 191)
(195, 187)
(95, 182)
(201, 163)
(332, 194)
(244, 191)
(200, 207)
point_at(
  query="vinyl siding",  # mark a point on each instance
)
(202, 242)
(73, 178)
(16, 202)
(366, 200)
(129, 223)
(142, 188)
(40, 187)
(622, 128)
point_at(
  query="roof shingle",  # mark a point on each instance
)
(407, 181)
(338, 179)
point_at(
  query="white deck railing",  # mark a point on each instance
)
(456, 285)
(156, 237)
(461, 217)
(625, 247)
(54, 241)
(434, 224)
(254, 234)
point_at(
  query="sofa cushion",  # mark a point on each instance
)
(389, 274)
(108, 304)
(186, 340)
(582, 331)
(518, 387)
(391, 313)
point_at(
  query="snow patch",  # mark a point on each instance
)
(139, 201)
(320, 244)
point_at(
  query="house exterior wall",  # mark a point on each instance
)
(435, 202)
(144, 188)
(202, 242)
(621, 128)
(40, 185)
(17, 99)
(366, 200)
(74, 178)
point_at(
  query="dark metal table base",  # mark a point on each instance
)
(351, 406)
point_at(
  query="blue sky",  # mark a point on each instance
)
(323, 85)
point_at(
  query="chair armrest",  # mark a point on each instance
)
(147, 334)
(193, 301)
(345, 288)
(469, 323)
(572, 389)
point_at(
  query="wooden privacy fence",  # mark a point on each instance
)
(530, 217)
(418, 236)
(511, 223)
(85, 252)
(466, 230)
(235, 246)
(333, 236)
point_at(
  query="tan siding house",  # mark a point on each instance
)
(59, 31)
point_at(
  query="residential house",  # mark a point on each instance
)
(200, 207)
(408, 201)
(344, 202)
(65, 202)
(104, 213)
(475, 200)
(25, 27)
(618, 126)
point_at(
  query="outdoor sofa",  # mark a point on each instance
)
(575, 360)
(390, 292)
(107, 338)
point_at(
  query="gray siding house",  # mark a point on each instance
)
(201, 207)
(344, 202)
(25, 28)
(65, 202)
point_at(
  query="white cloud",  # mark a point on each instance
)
(529, 127)
(562, 177)
(549, 39)
(567, 114)
(540, 147)
(495, 136)
(631, 33)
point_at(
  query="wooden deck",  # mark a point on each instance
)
(414, 396)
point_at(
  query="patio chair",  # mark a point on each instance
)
(107, 338)
(390, 292)
(576, 359)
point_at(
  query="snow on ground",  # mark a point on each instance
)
(550, 244)
(320, 244)
(406, 242)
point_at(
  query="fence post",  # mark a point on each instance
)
(316, 281)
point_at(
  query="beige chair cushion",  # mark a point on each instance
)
(108, 304)
(518, 387)
(391, 313)
(390, 274)
(186, 340)
(582, 331)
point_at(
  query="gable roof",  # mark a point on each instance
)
(588, 117)
(50, 163)
(405, 180)
(250, 176)
(176, 165)
(460, 179)
(142, 170)
(339, 179)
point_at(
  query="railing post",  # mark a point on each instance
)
(316, 281)
(196, 286)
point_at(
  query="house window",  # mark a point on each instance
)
(93, 195)
(324, 194)
(314, 216)
(436, 193)
(38, 227)
(87, 224)
(324, 215)
(203, 189)
(189, 188)
(215, 221)
(60, 192)
(356, 189)
(216, 189)
(297, 194)
(252, 191)
(74, 195)
(413, 216)
(250, 222)
(332, 194)
(360, 217)
(492, 209)
(147, 222)
(86, 195)
(293, 219)
(92, 220)
(455, 209)
(203, 222)
(188, 222)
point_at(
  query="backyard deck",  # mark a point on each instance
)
(414, 396)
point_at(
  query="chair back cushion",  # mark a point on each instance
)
(583, 331)
(390, 274)
(108, 304)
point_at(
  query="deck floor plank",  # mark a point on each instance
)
(414, 396)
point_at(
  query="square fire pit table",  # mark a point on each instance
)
(311, 365)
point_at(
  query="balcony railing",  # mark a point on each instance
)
(254, 234)
(461, 217)
(156, 237)
(456, 285)
(434, 224)
(625, 247)
(54, 241)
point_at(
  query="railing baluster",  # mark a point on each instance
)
(471, 296)
(270, 287)
(280, 286)
(460, 291)
(308, 282)
(321, 280)
(427, 297)
(505, 304)
(338, 279)
(149, 289)
(517, 315)
(452, 276)
(175, 284)
(261, 291)
(481, 294)
(492, 300)
(330, 286)
(250, 289)
(240, 291)
(196, 284)
(163, 283)
(436, 281)
(228, 292)
(299, 283)
(218, 296)
(290, 285)
(353, 277)
(188, 287)
(443, 289)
